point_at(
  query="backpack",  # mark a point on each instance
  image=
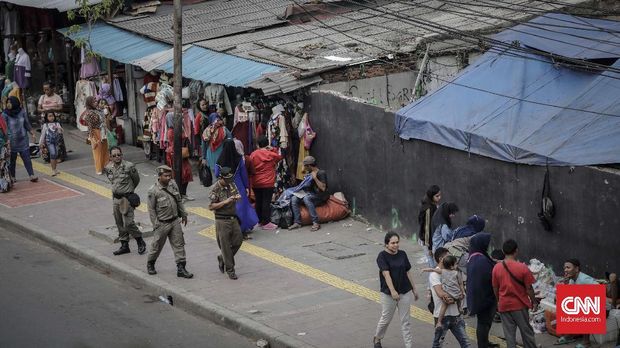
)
(547, 211)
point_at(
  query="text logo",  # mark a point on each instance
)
(580, 309)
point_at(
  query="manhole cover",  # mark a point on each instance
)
(334, 250)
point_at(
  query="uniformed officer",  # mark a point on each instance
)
(165, 209)
(223, 197)
(124, 178)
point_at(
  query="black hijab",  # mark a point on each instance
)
(230, 157)
(442, 215)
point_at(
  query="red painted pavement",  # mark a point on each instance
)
(26, 193)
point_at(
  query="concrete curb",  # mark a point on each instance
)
(182, 298)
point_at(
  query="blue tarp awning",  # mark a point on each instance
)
(499, 107)
(198, 63)
(210, 66)
(116, 44)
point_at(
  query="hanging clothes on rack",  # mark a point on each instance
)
(216, 95)
(90, 66)
(244, 126)
(22, 69)
(277, 134)
(83, 90)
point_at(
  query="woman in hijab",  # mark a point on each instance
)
(231, 158)
(479, 270)
(105, 93)
(441, 224)
(213, 140)
(18, 129)
(95, 120)
(475, 224)
(186, 167)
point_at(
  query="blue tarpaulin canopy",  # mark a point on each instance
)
(524, 109)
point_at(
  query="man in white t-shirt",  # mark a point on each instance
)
(452, 321)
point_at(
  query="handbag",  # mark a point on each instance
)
(204, 173)
(134, 200)
(111, 138)
(309, 136)
(185, 152)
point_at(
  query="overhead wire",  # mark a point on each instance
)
(468, 37)
(476, 88)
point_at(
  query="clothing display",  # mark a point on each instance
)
(22, 69)
(149, 91)
(90, 65)
(216, 95)
(83, 89)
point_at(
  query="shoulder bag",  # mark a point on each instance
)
(513, 276)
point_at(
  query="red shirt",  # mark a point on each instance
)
(264, 162)
(512, 295)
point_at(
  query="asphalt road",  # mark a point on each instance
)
(50, 300)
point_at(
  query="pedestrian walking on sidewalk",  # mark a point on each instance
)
(51, 134)
(124, 178)
(165, 208)
(96, 130)
(453, 320)
(512, 285)
(224, 197)
(481, 301)
(18, 129)
(397, 289)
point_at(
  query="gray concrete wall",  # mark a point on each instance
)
(384, 179)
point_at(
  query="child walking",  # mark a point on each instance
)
(451, 283)
(51, 133)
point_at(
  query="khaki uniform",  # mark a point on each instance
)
(124, 178)
(227, 229)
(165, 209)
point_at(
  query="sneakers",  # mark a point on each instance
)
(269, 227)
(188, 198)
(294, 226)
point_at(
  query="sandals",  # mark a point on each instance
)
(34, 178)
(315, 227)
(294, 226)
(564, 340)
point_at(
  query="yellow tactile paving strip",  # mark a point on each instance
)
(267, 255)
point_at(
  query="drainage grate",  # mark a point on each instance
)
(334, 250)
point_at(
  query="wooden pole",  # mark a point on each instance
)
(178, 76)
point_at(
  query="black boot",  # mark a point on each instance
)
(141, 245)
(124, 249)
(182, 272)
(150, 267)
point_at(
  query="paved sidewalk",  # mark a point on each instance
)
(295, 288)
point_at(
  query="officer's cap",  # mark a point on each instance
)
(163, 169)
(226, 173)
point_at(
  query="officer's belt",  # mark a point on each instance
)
(225, 217)
(169, 220)
(121, 196)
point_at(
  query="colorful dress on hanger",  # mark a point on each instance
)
(83, 89)
(278, 138)
(303, 152)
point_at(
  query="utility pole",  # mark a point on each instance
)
(178, 78)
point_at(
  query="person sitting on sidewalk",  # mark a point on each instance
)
(316, 195)
(265, 160)
(124, 178)
(573, 275)
(165, 208)
(224, 197)
(512, 284)
(453, 320)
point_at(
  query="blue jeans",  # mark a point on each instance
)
(454, 324)
(52, 149)
(310, 201)
(25, 155)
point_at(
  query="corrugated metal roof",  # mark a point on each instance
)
(363, 34)
(210, 19)
(206, 65)
(117, 44)
(60, 5)
(198, 63)
(282, 82)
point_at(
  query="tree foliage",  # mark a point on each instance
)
(91, 13)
